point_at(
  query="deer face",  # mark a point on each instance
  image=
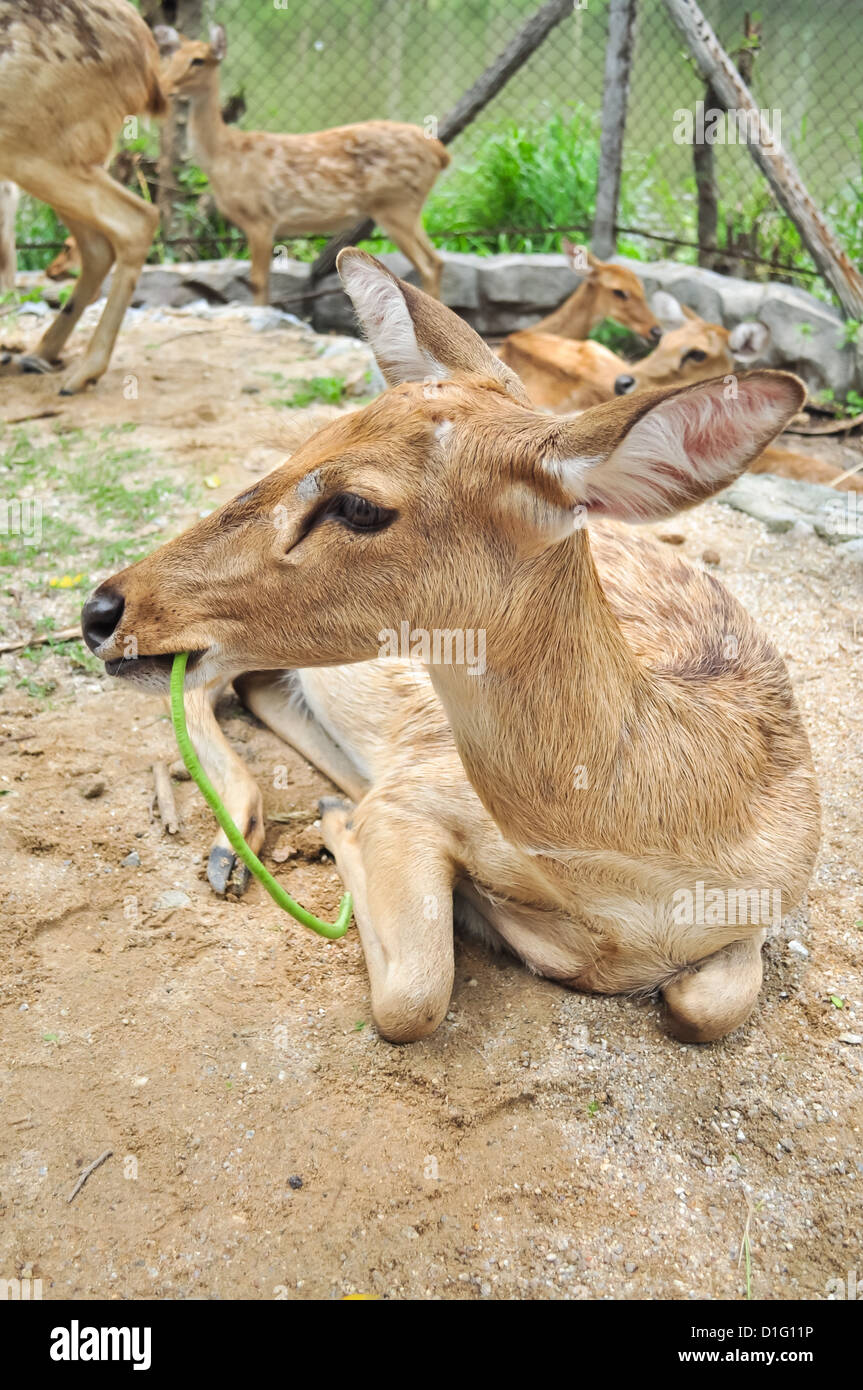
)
(190, 63)
(421, 507)
(617, 291)
(693, 350)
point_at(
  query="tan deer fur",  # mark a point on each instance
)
(274, 185)
(631, 734)
(560, 374)
(71, 72)
(8, 257)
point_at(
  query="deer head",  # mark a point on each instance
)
(423, 506)
(189, 63)
(692, 350)
(615, 292)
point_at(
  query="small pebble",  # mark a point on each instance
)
(711, 556)
(132, 861)
(855, 1039)
(174, 897)
(284, 849)
(798, 949)
(91, 790)
(295, 1182)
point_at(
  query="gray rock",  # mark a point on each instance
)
(540, 281)
(783, 504)
(851, 550)
(132, 861)
(172, 897)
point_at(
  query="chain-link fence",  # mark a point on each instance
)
(526, 166)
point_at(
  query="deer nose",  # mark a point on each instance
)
(656, 332)
(623, 385)
(100, 616)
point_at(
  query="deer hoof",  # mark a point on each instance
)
(226, 873)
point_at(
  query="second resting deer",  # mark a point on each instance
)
(274, 185)
(611, 742)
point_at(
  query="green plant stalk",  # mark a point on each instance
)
(331, 930)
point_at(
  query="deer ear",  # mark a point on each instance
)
(580, 259)
(167, 39)
(218, 41)
(748, 340)
(667, 310)
(686, 444)
(415, 337)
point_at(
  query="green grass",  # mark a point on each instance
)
(327, 390)
(103, 506)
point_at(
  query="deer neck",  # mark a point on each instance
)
(206, 126)
(541, 731)
(576, 316)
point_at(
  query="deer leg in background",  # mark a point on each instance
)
(260, 254)
(97, 257)
(405, 229)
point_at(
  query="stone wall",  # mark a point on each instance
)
(499, 294)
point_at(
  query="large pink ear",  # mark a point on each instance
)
(690, 444)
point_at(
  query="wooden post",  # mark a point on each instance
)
(187, 16)
(777, 167)
(615, 95)
(495, 77)
(704, 167)
(704, 163)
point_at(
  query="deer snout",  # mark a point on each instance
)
(100, 616)
(656, 332)
(623, 385)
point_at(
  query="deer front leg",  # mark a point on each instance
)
(234, 783)
(401, 878)
(260, 252)
(718, 994)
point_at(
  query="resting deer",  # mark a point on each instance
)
(8, 256)
(69, 76)
(548, 365)
(694, 350)
(67, 262)
(621, 732)
(274, 185)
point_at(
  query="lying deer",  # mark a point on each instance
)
(693, 351)
(67, 262)
(552, 355)
(8, 255)
(627, 736)
(274, 185)
(69, 76)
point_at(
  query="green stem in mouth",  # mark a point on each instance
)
(332, 930)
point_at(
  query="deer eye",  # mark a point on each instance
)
(197, 63)
(693, 355)
(359, 513)
(620, 294)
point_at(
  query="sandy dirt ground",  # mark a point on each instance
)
(266, 1143)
